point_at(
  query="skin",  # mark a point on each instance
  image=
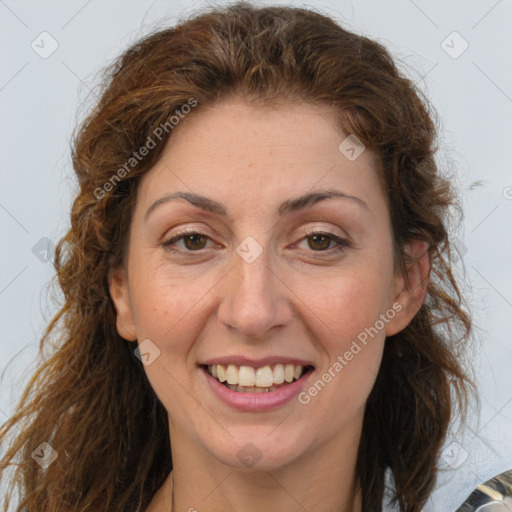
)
(293, 300)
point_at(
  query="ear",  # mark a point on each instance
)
(410, 287)
(118, 286)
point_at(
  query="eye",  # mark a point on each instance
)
(320, 242)
(193, 240)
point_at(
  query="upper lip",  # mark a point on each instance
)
(256, 363)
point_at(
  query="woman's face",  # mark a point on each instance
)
(263, 278)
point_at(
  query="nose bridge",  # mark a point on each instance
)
(254, 299)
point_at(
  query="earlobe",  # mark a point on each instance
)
(410, 287)
(118, 287)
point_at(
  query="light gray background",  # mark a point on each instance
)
(40, 98)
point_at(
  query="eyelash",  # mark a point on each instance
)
(342, 244)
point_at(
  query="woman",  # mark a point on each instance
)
(257, 281)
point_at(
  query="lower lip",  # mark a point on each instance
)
(256, 402)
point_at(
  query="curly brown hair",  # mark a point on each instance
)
(92, 400)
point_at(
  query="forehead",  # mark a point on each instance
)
(253, 156)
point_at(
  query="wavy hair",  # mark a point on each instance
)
(91, 398)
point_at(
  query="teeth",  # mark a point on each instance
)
(247, 376)
(278, 374)
(264, 377)
(253, 389)
(221, 373)
(251, 378)
(288, 372)
(232, 374)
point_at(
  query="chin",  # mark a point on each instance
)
(258, 448)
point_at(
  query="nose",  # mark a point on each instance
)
(254, 298)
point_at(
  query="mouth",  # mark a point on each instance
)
(249, 379)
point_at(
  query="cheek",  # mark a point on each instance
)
(343, 304)
(347, 314)
(167, 307)
(164, 311)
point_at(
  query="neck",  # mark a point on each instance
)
(353, 500)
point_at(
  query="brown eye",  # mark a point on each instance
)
(320, 241)
(195, 242)
(192, 242)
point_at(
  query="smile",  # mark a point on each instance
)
(248, 379)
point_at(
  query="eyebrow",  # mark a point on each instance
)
(288, 206)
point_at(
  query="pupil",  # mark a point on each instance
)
(325, 239)
(190, 238)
